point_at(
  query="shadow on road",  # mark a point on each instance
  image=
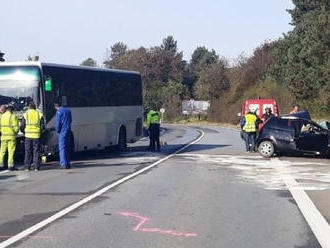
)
(87, 159)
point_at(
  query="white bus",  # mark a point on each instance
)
(106, 104)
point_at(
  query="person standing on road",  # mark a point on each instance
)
(63, 128)
(249, 126)
(33, 125)
(153, 125)
(9, 129)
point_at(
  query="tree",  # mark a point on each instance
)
(117, 50)
(303, 7)
(158, 65)
(166, 65)
(171, 96)
(257, 67)
(169, 44)
(202, 57)
(89, 62)
(2, 56)
(213, 81)
(302, 56)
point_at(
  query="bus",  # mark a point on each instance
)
(106, 104)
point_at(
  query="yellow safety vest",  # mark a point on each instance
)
(9, 126)
(250, 123)
(32, 124)
(153, 117)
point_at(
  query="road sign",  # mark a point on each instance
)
(162, 110)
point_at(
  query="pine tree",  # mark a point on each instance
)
(303, 55)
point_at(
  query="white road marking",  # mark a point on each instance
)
(313, 217)
(80, 203)
(3, 172)
(6, 171)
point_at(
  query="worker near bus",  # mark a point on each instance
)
(295, 109)
(63, 127)
(9, 129)
(153, 125)
(33, 124)
(249, 125)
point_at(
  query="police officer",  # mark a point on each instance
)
(63, 127)
(250, 128)
(153, 124)
(33, 125)
(9, 129)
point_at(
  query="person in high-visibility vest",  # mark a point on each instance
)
(153, 125)
(33, 125)
(249, 126)
(9, 129)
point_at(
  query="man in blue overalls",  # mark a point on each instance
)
(63, 128)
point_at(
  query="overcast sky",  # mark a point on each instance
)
(69, 31)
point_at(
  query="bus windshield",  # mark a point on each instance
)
(19, 85)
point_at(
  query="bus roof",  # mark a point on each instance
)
(39, 64)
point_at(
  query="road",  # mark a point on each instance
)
(204, 194)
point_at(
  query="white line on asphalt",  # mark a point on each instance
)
(6, 171)
(3, 172)
(314, 218)
(80, 203)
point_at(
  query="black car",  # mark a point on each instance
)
(293, 135)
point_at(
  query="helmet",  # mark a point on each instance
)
(252, 109)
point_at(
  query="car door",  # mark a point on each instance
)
(312, 138)
(282, 133)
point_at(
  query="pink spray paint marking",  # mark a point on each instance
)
(144, 220)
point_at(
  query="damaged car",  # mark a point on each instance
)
(293, 135)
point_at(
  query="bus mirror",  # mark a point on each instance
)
(49, 84)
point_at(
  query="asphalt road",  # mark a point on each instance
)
(211, 194)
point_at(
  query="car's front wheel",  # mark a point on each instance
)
(266, 149)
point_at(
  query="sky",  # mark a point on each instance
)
(69, 31)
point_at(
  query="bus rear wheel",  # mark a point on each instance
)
(122, 142)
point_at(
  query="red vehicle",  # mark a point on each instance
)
(259, 106)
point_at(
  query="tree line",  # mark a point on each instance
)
(167, 77)
(295, 69)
